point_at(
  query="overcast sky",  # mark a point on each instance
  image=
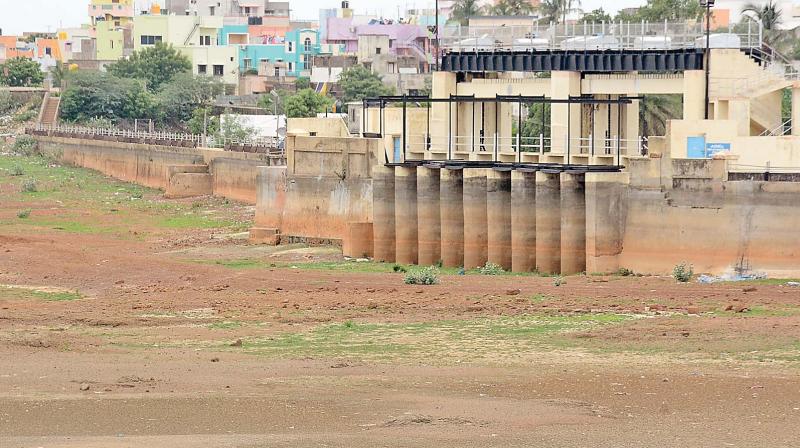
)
(17, 16)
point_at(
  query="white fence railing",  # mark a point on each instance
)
(597, 36)
(268, 144)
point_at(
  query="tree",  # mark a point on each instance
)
(202, 120)
(464, 9)
(770, 17)
(21, 72)
(512, 8)
(550, 10)
(596, 16)
(358, 83)
(181, 96)
(232, 127)
(656, 110)
(302, 83)
(273, 105)
(306, 103)
(669, 10)
(102, 95)
(155, 65)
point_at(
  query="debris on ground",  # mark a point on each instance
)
(708, 279)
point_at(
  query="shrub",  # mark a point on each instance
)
(683, 272)
(625, 272)
(22, 214)
(27, 115)
(491, 269)
(7, 102)
(398, 268)
(29, 186)
(558, 281)
(17, 170)
(423, 276)
(24, 145)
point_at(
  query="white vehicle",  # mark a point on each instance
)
(720, 40)
(595, 42)
(652, 43)
(482, 43)
(527, 44)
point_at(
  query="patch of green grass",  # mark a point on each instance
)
(225, 325)
(434, 341)
(18, 293)
(193, 221)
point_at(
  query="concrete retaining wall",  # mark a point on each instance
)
(233, 173)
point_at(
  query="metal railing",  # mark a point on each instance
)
(596, 36)
(461, 146)
(268, 145)
(782, 129)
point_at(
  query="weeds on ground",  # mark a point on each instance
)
(625, 272)
(683, 272)
(25, 145)
(399, 268)
(558, 281)
(29, 186)
(22, 214)
(423, 276)
(17, 170)
(491, 269)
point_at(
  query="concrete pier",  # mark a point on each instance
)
(383, 213)
(523, 221)
(548, 223)
(498, 207)
(573, 224)
(429, 222)
(405, 204)
(451, 202)
(475, 218)
(605, 217)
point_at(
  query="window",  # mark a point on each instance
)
(306, 64)
(377, 50)
(219, 70)
(291, 67)
(211, 10)
(390, 43)
(248, 63)
(307, 44)
(48, 51)
(277, 71)
(150, 40)
(205, 40)
(290, 46)
(202, 69)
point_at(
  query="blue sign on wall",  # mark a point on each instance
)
(696, 147)
(713, 148)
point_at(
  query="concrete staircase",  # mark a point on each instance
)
(48, 114)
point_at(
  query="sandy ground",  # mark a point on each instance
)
(121, 329)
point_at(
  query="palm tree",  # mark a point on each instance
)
(512, 8)
(769, 16)
(557, 10)
(656, 110)
(464, 9)
(550, 10)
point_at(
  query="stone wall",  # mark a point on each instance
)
(233, 173)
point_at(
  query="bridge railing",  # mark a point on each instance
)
(597, 36)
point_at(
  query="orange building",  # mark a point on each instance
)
(48, 47)
(10, 49)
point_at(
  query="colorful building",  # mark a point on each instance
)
(111, 21)
(297, 50)
(13, 47)
(195, 36)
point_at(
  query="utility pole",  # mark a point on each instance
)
(707, 4)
